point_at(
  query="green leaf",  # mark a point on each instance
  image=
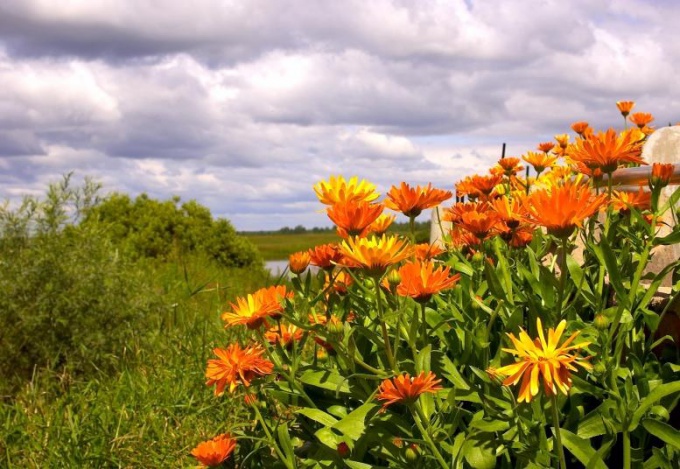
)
(318, 416)
(326, 379)
(284, 441)
(663, 431)
(451, 373)
(654, 396)
(609, 258)
(423, 359)
(358, 465)
(490, 425)
(581, 450)
(354, 424)
(494, 282)
(479, 454)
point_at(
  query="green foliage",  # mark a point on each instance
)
(151, 228)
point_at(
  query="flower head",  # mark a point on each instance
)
(235, 365)
(622, 201)
(625, 107)
(252, 310)
(325, 256)
(381, 224)
(406, 389)
(283, 334)
(354, 217)
(298, 262)
(661, 174)
(375, 254)
(480, 223)
(582, 128)
(485, 184)
(214, 452)
(425, 251)
(411, 201)
(562, 140)
(641, 119)
(420, 280)
(539, 357)
(510, 166)
(540, 161)
(545, 147)
(607, 150)
(338, 190)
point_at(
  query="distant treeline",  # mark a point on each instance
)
(396, 227)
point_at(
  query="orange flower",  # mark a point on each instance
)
(560, 209)
(420, 280)
(624, 200)
(455, 213)
(510, 166)
(607, 150)
(480, 224)
(337, 190)
(411, 201)
(641, 119)
(510, 210)
(485, 184)
(284, 335)
(545, 147)
(405, 389)
(520, 237)
(353, 218)
(625, 107)
(234, 366)
(661, 175)
(463, 239)
(325, 256)
(542, 358)
(341, 281)
(214, 452)
(540, 161)
(580, 127)
(465, 188)
(562, 140)
(252, 310)
(424, 251)
(298, 262)
(381, 224)
(375, 254)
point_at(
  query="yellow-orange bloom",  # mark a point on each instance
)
(485, 184)
(661, 174)
(510, 166)
(480, 224)
(607, 150)
(325, 256)
(283, 334)
(214, 452)
(545, 147)
(353, 218)
(425, 251)
(411, 201)
(560, 209)
(375, 254)
(580, 127)
(454, 214)
(341, 282)
(625, 107)
(338, 190)
(252, 310)
(406, 389)
(540, 161)
(381, 224)
(622, 201)
(234, 366)
(562, 140)
(641, 119)
(510, 210)
(465, 188)
(420, 280)
(539, 357)
(298, 262)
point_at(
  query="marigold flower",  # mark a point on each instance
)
(624, 200)
(661, 175)
(411, 201)
(214, 452)
(465, 188)
(298, 262)
(406, 389)
(539, 357)
(425, 251)
(560, 209)
(354, 217)
(463, 239)
(540, 161)
(283, 334)
(580, 127)
(625, 107)
(485, 184)
(420, 280)
(252, 310)
(607, 150)
(325, 256)
(480, 224)
(454, 214)
(234, 366)
(562, 140)
(545, 147)
(375, 254)
(338, 190)
(521, 237)
(641, 119)
(510, 210)
(381, 224)
(510, 166)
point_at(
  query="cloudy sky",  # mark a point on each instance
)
(245, 104)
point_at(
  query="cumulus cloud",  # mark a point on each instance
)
(245, 105)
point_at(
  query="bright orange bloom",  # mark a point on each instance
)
(298, 262)
(234, 366)
(465, 188)
(625, 107)
(545, 147)
(560, 209)
(540, 161)
(624, 200)
(510, 210)
(252, 310)
(425, 251)
(375, 254)
(607, 150)
(411, 201)
(542, 358)
(580, 127)
(405, 389)
(338, 190)
(283, 334)
(641, 119)
(463, 239)
(325, 256)
(510, 166)
(214, 452)
(381, 224)
(420, 280)
(562, 140)
(480, 224)
(485, 184)
(520, 237)
(454, 214)
(353, 218)
(661, 174)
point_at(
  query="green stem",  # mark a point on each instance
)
(271, 439)
(412, 228)
(558, 436)
(418, 417)
(424, 322)
(383, 326)
(563, 277)
(626, 449)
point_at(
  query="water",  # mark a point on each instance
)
(276, 268)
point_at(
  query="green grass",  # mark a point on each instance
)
(278, 246)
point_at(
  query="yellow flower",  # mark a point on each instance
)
(538, 358)
(252, 310)
(375, 254)
(338, 190)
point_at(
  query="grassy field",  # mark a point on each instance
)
(278, 246)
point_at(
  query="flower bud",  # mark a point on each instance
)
(343, 450)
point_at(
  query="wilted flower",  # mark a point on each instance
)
(214, 452)
(406, 389)
(338, 190)
(539, 357)
(411, 201)
(234, 366)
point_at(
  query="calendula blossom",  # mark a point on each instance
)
(375, 254)
(405, 389)
(235, 365)
(338, 190)
(411, 201)
(541, 358)
(353, 218)
(422, 279)
(253, 309)
(214, 452)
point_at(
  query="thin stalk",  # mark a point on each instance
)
(417, 416)
(423, 322)
(558, 436)
(412, 228)
(383, 326)
(626, 449)
(563, 277)
(271, 439)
